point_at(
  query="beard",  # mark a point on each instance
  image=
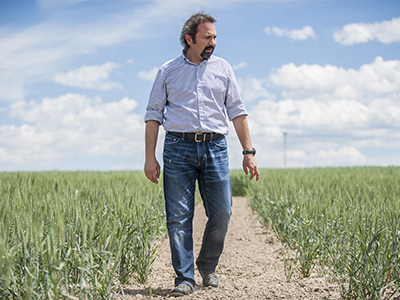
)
(205, 54)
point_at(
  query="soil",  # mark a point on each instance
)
(251, 266)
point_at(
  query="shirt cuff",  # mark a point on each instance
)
(236, 112)
(155, 116)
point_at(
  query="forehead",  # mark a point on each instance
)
(206, 29)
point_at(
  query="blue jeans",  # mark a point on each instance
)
(186, 161)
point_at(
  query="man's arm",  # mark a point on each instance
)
(151, 165)
(249, 160)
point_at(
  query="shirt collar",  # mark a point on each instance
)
(205, 61)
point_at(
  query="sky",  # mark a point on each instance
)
(320, 80)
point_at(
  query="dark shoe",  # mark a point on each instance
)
(209, 279)
(181, 290)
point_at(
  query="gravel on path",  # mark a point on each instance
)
(251, 266)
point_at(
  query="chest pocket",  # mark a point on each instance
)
(216, 86)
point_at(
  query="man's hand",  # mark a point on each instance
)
(249, 161)
(151, 165)
(152, 170)
(250, 166)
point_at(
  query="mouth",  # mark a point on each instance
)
(207, 52)
(209, 48)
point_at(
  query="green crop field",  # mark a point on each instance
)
(343, 223)
(83, 235)
(76, 235)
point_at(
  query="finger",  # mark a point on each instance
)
(154, 179)
(253, 173)
(256, 174)
(158, 171)
(151, 176)
(245, 169)
(154, 176)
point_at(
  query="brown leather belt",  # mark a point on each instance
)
(198, 137)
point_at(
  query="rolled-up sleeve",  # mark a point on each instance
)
(157, 100)
(233, 103)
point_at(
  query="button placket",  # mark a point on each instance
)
(200, 96)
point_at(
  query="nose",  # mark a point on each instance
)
(213, 41)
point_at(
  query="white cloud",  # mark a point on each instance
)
(340, 157)
(89, 77)
(329, 97)
(312, 116)
(47, 45)
(305, 33)
(71, 125)
(56, 4)
(150, 75)
(240, 65)
(52, 43)
(253, 89)
(343, 156)
(378, 79)
(386, 32)
(332, 115)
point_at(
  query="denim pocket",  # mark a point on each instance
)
(171, 139)
(221, 143)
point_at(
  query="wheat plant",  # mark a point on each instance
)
(76, 235)
(343, 223)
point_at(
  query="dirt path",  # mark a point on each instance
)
(251, 266)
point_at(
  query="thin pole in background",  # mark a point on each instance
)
(284, 149)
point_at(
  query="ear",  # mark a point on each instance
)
(189, 39)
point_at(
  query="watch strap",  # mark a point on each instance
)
(252, 151)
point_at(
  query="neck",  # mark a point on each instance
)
(192, 58)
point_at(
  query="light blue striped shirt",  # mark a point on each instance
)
(187, 97)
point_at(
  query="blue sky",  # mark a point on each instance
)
(75, 77)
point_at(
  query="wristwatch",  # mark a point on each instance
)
(252, 151)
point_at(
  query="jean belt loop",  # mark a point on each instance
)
(211, 137)
(183, 136)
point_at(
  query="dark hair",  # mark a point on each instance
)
(190, 27)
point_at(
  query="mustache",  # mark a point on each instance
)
(206, 55)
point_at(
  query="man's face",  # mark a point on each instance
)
(203, 45)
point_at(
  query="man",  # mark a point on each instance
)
(191, 97)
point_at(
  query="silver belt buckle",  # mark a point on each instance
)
(199, 140)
